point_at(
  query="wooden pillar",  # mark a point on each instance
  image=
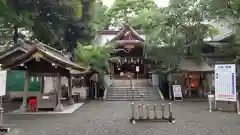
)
(41, 84)
(170, 85)
(70, 99)
(112, 68)
(145, 69)
(95, 90)
(25, 93)
(189, 84)
(59, 94)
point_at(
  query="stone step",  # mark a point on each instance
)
(143, 88)
(117, 97)
(127, 92)
(131, 99)
(131, 92)
(150, 89)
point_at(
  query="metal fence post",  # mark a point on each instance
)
(139, 111)
(147, 108)
(170, 112)
(162, 111)
(133, 111)
(142, 113)
(155, 111)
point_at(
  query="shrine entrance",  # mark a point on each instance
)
(136, 70)
(131, 51)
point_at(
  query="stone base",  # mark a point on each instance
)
(59, 108)
(4, 129)
(70, 101)
(23, 107)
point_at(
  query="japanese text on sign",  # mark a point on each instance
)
(225, 82)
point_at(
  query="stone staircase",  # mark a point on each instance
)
(121, 91)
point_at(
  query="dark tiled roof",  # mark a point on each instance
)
(222, 37)
(49, 53)
(21, 46)
(194, 65)
(115, 32)
(124, 30)
(128, 42)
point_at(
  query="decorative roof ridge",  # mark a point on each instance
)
(127, 27)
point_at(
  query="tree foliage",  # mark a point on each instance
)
(176, 31)
(123, 10)
(58, 23)
(99, 19)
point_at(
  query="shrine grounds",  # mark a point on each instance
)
(111, 118)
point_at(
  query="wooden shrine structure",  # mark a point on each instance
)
(42, 61)
(133, 60)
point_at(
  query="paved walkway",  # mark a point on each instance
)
(111, 118)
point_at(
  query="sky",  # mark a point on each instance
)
(161, 3)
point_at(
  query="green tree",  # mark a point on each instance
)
(95, 56)
(57, 23)
(123, 10)
(99, 19)
(176, 31)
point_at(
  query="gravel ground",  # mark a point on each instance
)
(111, 118)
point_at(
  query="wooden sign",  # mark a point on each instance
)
(177, 92)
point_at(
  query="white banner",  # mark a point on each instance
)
(225, 82)
(3, 80)
(177, 91)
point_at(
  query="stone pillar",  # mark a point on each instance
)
(70, 99)
(59, 94)
(25, 93)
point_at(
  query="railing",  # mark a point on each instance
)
(160, 93)
(106, 89)
(105, 93)
(131, 86)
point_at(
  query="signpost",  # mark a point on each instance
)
(137, 70)
(177, 92)
(225, 82)
(225, 85)
(3, 77)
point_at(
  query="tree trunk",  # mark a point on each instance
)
(15, 34)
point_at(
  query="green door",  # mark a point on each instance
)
(15, 82)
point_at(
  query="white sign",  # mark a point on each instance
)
(177, 91)
(3, 78)
(225, 82)
(137, 69)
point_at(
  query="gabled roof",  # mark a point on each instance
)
(47, 53)
(192, 64)
(126, 31)
(221, 37)
(22, 46)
